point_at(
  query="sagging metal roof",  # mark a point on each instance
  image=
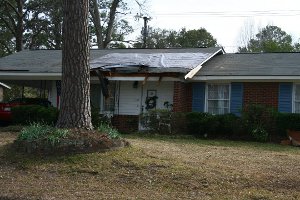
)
(49, 61)
(154, 62)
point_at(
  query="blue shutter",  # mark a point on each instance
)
(285, 97)
(236, 99)
(198, 97)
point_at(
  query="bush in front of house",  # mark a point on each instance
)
(157, 121)
(260, 122)
(27, 114)
(98, 118)
(225, 126)
(230, 127)
(287, 121)
(201, 124)
(178, 123)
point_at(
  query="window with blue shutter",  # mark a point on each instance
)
(236, 100)
(198, 97)
(285, 99)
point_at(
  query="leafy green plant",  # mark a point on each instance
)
(111, 132)
(38, 131)
(202, 124)
(157, 121)
(288, 121)
(28, 114)
(259, 134)
(257, 117)
(98, 118)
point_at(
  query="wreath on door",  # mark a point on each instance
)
(150, 102)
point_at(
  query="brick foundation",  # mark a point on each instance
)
(182, 98)
(261, 93)
(126, 123)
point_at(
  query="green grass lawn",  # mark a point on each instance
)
(155, 167)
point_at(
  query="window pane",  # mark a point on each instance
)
(218, 106)
(218, 91)
(212, 92)
(218, 98)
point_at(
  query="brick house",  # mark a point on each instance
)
(240, 79)
(202, 80)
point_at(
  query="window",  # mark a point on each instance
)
(297, 98)
(218, 98)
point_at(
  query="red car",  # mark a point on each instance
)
(5, 108)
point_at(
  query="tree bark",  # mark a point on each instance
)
(94, 10)
(112, 16)
(19, 26)
(75, 110)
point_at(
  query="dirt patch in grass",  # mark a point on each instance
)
(155, 169)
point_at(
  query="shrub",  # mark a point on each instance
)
(111, 132)
(178, 123)
(98, 119)
(202, 124)
(229, 127)
(259, 119)
(226, 126)
(260, 134)
(34, 113)
(158, 121)
(39, 132)
(287, 121)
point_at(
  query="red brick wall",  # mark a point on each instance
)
(126, 123)
(182, 99)
(261, 93)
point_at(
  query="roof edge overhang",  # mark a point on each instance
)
(278, 78)
(58, 76)
(29, 76)
(142, 78)
(194, 71)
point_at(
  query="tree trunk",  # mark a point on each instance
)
(112, 16)
(97, 22)
(19, 26)
(75, 111)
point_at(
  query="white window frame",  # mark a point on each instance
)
(294, 97)
(206, 94)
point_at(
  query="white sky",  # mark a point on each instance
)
(224, 19)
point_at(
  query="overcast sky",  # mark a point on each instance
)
(224, 19)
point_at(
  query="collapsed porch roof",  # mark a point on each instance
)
(47, 65)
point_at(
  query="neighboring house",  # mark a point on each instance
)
(2, 88)
(201, 79)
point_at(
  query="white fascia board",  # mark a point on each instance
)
(194, 71)
(247, 78)
(29, 76)
(4, 85)
(137, 78)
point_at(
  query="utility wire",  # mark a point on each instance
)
(228, 13)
